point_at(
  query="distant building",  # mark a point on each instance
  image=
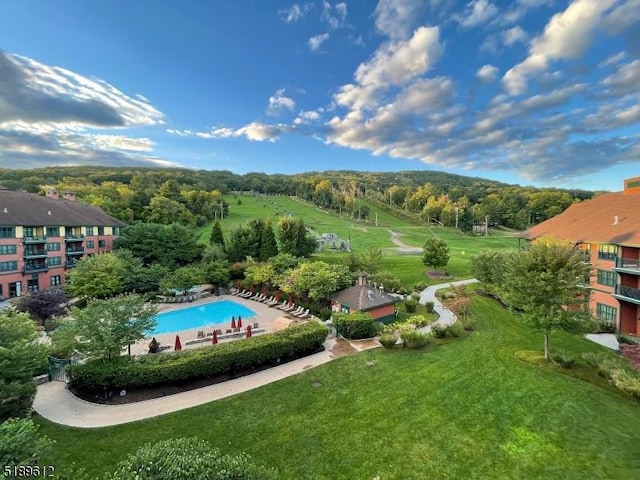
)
(42, 237)
(607, 229)
(364, 297)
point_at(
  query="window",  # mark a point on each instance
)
(7, 232)
(101, 243)
(89, 243)
(55, 280)
(53, 231)
(116, 230)
(606, 313)
(32, 285)
(100, 230)
(89, 230)
(8, 249)
(607, 252)
(8, 266)
(54, 261)
(53, 247)
(607, 277)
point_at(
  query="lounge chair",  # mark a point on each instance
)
(272, 301)
(282, 306)
(267, 300)
(255, 325)
(303, 314)
(246, 294)
(257, 296)
(297, 311)
(288, 309)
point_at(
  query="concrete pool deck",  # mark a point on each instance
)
(265, 317)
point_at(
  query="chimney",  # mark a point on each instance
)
(52, 193)
(615, 220)
(69, 196)
(362, 280)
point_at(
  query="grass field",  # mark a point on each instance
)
(468, 409)
(408, 268)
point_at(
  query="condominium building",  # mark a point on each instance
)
(42, 237)
(607, 228)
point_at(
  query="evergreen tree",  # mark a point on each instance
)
(268, 245)
(216, 234)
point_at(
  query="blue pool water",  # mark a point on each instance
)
(213, 314)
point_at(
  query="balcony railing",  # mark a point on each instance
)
(632, 264)
(36, 268)
(70, 264)
(628, 292)
(35, 254)
(70, 237)
(34, 239)
(74, 251)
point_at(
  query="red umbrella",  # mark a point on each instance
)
(214, 339)
(277, 296)
(265, 292)
(233, 322)
(178, 345)
(249, 331)
(239, 321)
(290, 302)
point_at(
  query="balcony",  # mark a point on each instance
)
(74, 251)
(70, 264)
(29, 240)
(36, 268)
(35, 253)
(628, 294)
(628, 265)
(71, 237)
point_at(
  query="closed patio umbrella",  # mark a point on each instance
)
(233, 322)
(214, 339)
(239, 321)
(178, 345)
(249, 331)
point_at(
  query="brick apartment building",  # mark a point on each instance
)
(607, 228)
(41, 238)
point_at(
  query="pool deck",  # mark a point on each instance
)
(265, 316)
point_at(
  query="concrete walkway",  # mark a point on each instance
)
(608, 340)
(446, 317)
(55, 403)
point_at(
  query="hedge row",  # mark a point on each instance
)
(355, 325)
(187, 365)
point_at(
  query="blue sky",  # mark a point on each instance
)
(536, 92)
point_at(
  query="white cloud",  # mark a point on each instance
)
(625, 80)
(476, 13)
(514, 35)
(254, 131)
(396, 18)
(487, 73)
(307, 116)
(519, 8)
(295, 12)
(279, 102)
(337, 19)
(316, 41)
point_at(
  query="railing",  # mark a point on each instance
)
(628, 292)
(70, 237)
(35, 239)
(628, 264)
(74, 251)
(70, 264)
(35, 268)
(35, 253)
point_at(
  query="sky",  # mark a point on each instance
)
(532, 92)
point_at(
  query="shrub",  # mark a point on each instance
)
(388, 340)
(606, 327)
(419, 286)
(455, 329)
(418, 320)
(603, 363)
(410, 305)
(415, 296)
(562, 358)
(628, 340)
(469, 324)
(414, 339)
(429, 306)
(627, 381)
(21, 443)
(187, 365)
(438, 331)
(355, 325)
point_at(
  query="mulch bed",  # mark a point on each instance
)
(631, 353)
(110, 397)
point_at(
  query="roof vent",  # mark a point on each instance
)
(381, 288)
(5, 210)
(48, 212)
(615, 220)
(370, 294)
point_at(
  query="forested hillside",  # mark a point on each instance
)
(194, 197)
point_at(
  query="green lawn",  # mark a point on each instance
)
(468, 409)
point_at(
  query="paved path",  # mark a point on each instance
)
(446, 317)
(55, 403)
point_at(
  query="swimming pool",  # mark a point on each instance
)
(213, 314)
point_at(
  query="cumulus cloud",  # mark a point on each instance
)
(514, 35)
(335, 15)
(316, 41)
(254, 131)
(295, 12)
(477, 12)
(49, 114)
(308, 116)
(396, 18)
(279, 102)
(487, 73)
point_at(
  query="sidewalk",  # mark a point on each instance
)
(446, 317)
(55, 403)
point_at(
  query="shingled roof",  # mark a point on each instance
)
(22, 208)
(612, 218)
(364, 297)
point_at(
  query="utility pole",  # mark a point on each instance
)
(456, 218)
(376, 219)
(486, 226)
(221, 211)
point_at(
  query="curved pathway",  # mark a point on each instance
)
(55, 403)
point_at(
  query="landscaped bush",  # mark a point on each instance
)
(438, 331)
(415, 340)
(355, 325)
(419, 286)
(468, 323)
(429, 306)
(627, 381)
(628, 340)
(603, 363)
(388, 340)
(562, 358)
(410, 305)
(456, 329)
(188, 365)
(418, 320)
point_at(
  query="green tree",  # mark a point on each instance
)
(216, 272)
(99, 276)
(294, 239)
(216, 238)
(388, 280)
(369, 260)
(188, 459)
(489, 267)
(104, 327)
(21, 443)
(166, 211)
(182, 279)
(544, 282)
(260, 274)
(316, 280)
(268, 244)
(435, 253)
(20, 357)
(243, 242)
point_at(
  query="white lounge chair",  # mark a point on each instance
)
(303, 314)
